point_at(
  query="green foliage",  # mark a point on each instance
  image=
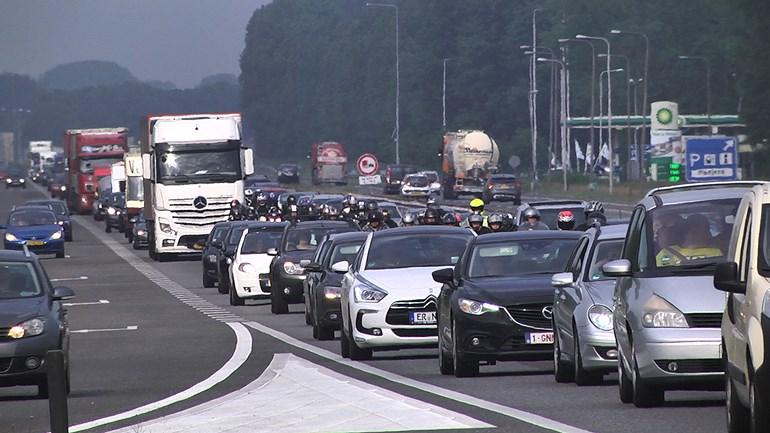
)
(88, 73)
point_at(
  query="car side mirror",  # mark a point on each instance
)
(617, 268)
(562, 279)
(341, 267)
(62, 293)
(444, 276)
(310, 266)
(726, 278)
(272, 252)
(304, 263)
(216, 243)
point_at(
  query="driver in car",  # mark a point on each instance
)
(697, 243)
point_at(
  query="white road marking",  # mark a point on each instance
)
(527, 417)
(320, 399)
(74, 304)
(82, 277)
(89, 331)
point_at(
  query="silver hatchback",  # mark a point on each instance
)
(667, 314)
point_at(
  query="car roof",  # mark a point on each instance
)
(17, 256)
(617, 231)
(260, 225)
(348, 237)
(419, 230)
(547, 204)
(533, 234)
(46, 201)
(668, 198)
(321, 224)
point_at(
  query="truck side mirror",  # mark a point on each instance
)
(147, 166)
(248, 162)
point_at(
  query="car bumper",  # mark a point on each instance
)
(679, 357)
(370, 319)
(498, 338)
(598, 349)
(49, 247)
(504, 194)
(249, 285)
(15, 184)
(289, 287)
(328, 312)
(14, 355)
(415, 193)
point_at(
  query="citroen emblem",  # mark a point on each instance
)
(547, 312)
(199, 202)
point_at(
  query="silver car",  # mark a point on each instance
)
(667, 314)
(584, 344)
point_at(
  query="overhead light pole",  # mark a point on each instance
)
(533, 96)
(397, 131)
(563, 105)
(601, 98)
(443, 95)
(609, 105)
(628, 92)
(708, 84)
(552, 109)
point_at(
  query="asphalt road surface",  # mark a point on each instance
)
(156, 352)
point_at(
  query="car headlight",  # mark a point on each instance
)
(21, 180)
(600, 316)
(247, 267)
(365, 293)
(292, 268)
(142, 233)
(658, 313)
(30, 328)
(435, 185)
(10, 237)
(476, 308)
(56, 235)
(8, 180)
(111, 210)
(166, 228)
(62, 188)
(61, 223)
(331, 293)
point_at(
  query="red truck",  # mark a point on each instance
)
(89, 155)
(327, 162)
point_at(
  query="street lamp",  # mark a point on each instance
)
(644, 91)
(563, 105)
(609, 102)
(593, 79)
(628, 93)
(533, 96)
(708, 84)
(551, 97)
(443, 95)
(601, 98)
(397, 131)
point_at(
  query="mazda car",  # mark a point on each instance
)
(496, 304)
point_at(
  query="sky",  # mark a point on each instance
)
(180, 41)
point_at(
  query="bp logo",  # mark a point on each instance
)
(664, 116)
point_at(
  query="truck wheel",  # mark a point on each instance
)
(278, 305)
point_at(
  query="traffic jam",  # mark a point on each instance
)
(667, 294)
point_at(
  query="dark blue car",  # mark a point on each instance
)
(36, 227)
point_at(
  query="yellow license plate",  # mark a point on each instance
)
(35, 243)
(198, 247)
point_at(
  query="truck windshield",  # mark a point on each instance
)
(87, 166)
(199, 166)
(135, 188)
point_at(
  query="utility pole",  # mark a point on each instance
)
(533, 93)
(443, 96)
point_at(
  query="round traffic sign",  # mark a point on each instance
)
(367, 164)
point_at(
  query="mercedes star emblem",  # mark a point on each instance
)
(199, 202)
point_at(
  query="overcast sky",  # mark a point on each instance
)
(180, 41)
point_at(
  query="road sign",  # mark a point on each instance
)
(367, 165)
(370, 180)
(711, 158)
(514, 162)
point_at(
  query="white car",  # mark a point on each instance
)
(415, 185)
(250, 267)
(433, 178)
(388, 295)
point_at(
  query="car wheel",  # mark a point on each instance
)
(135, 245)
(308, 317)
(757, 408)
(324, 333)
(236, 300)
(445, 362)
(222, 286)
(645, 395)
(278, 305)
(208, 282)
(60, 255)
(625, 387)
(562, 370)
(462, 367)
(738, 415)
(315, 332)
(357, 353)
(344, 344)
(108, 228)
(582, 376)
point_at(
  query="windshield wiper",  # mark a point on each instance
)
(693, 268)
(179, 178)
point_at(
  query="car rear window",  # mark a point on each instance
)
(416, 250)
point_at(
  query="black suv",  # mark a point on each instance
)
(299, 242)
(32, 321)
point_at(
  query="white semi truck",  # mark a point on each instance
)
(193, 166)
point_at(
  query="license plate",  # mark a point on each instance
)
(503, 187)
(422, 317)
(197, 247)
(539, 338)
(35, 243)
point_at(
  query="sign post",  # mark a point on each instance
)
(711, 158)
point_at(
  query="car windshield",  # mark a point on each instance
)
(345, 252)
(18, 280)
(503, 179)
(416, 180)
(261, 241)
(235, 235)
(218, 232)
(415, 250)
(550, 216)
(520, 257)
(392, 210)
(431, 176)
(135, 188)
(603, 252)
(31, 218)
(181, 166)
(58, 208)
(117, 199)
(305, 239)
(689, 236)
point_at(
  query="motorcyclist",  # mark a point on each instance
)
(408, 220)
(476, 223)
(236, 211)
(388, 220)
(260, 207)
(274, 215)
(432, 203)
(374, 222)
(292, 213)
(332, 213)
(565, 220)
(532, 221)
(495, 223)
(430, 218)
(476, 206)
(594, 215)
(450, 219)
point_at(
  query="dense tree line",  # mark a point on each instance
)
(324, 69)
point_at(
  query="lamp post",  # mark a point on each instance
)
(644, 91)
(533, 96)
(609, 103)
(563, 105)
(628, 93)
(443, 95)
(593, 79)
(397, 131)
(708, 84)
(551, 97)
(601, 97)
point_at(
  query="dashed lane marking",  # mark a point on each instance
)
(90, 331)
(77, 304)
(80, 278)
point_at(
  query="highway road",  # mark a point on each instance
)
(153, 351)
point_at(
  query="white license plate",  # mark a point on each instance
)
(539, 338)
(422, 317)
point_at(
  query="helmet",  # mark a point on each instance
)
(595, 206)
(495, 219)
(290, 200)
(349, 200)
(475, 218)
(566, 220)
(431, 202)
(374, 216)
(449, 219)
(430, 214)
(361, 205)
(371, 205)
(248, 191)
(234, 204)
(477, 205)
(531, 212)
(408, 219)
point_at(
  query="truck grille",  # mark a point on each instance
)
(398, 314)
(705, 320)
(536, 316)
(185, 213)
